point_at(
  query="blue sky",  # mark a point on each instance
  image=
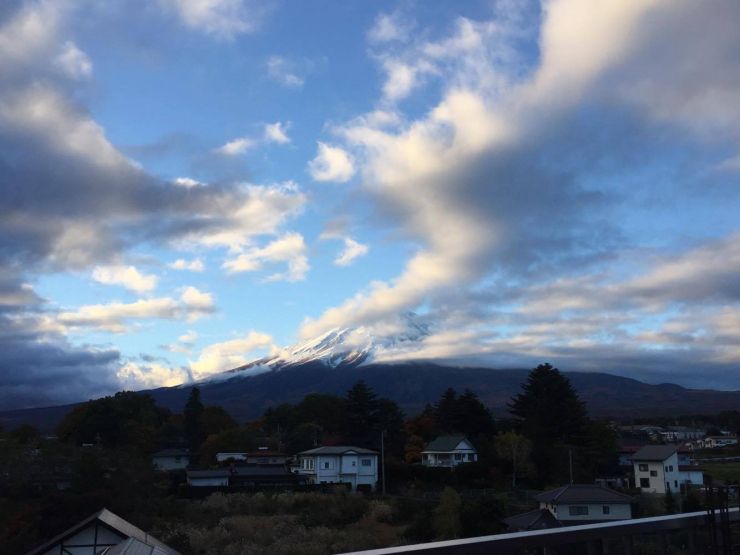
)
(190, 184)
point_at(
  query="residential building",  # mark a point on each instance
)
(449, 451)
(584, 503)
(171, 459)
(680, 433)
(656, 469)
(103, 532)
(340, 465)
(539, 519)
(715, 442)
(261, 456)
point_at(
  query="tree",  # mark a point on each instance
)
(447, 521)
(669, 502)
(516, 449)
(192, 413)
(550, 414)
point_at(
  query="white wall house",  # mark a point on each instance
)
(171, 459)
(656, 469)
(714, 442)
(449, 451)
(340, 465)
(585, 503)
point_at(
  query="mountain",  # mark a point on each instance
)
(333, 362)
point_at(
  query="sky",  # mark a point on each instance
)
(188, 185)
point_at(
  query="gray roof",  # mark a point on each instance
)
(582, 493)
(654, 452)
(172, 453)
(446, 443)
(113, 521)
(338, 450)
(538, 519)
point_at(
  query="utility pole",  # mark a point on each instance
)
(570, 464)
(382, 458)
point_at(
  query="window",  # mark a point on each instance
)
(676, 483)
(606, 509)
(653, 473)
(471, 457)
(665, 468)
(642, 467)
(458, 456)
(670, 468)
(367, 462)
(578, 510)
(354, 463)
(326, 464)
(644, 482)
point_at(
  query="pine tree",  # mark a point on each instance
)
(192, 413)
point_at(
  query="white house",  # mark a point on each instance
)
(715, 442)
(103, 532)
(449, 451)
(171, 459)
(582, 503)
(656, 469)
(340, 464)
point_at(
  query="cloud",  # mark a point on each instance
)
(389, 28)
(287, 72)
(74, 62)
(195, 265)
(277, 132)
(126, 276)
(224, 19)
(352, 250)
(290, 248)
(236, 147)
(331, 164)
(226, 355)
(135, 376)
(187, 182)
(184, 344)
(117, 317)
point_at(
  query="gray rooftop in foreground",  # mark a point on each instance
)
(582, 493)
(654, 452)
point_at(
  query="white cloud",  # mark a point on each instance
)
(277, 132)
(195, 265)
(74, 62)
(220, 18)
(290, 248)
(115, 317)
(390, 27)
(284, 71)
(184, 344)
(126, 276)
(236, 146)
(331, 164)
(187, 182)
(352, 250)
(226, 355)
(134, 376)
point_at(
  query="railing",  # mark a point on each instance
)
(597, 536)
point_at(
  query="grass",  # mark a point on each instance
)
(723, 471)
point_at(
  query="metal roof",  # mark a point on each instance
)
(582, 493)
(655, 452)
(338, 450)
(446, 443)
(113, 521)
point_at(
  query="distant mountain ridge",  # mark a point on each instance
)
(412, 386)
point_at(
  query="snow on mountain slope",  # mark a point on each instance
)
(336, 348)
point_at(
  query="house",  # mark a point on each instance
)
(585, 503)
(340, 465)
(656, 468)
(539, 519)
(245, 476)
(680, 433)
(449, 451)
(263, 455)
(715, 442)
(103, 532)
(171, 459)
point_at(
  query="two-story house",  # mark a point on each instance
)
(656, 469)
(171, 459)
(340, 464)
(449, 451)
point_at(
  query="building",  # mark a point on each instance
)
(585, 503)
(171, 459)
(539, 519)
(340, 465)
(680, 433)
(715, 442)
(261, 456)
(656, 469)
(104, 532)
(246, 476)
(449, 451)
